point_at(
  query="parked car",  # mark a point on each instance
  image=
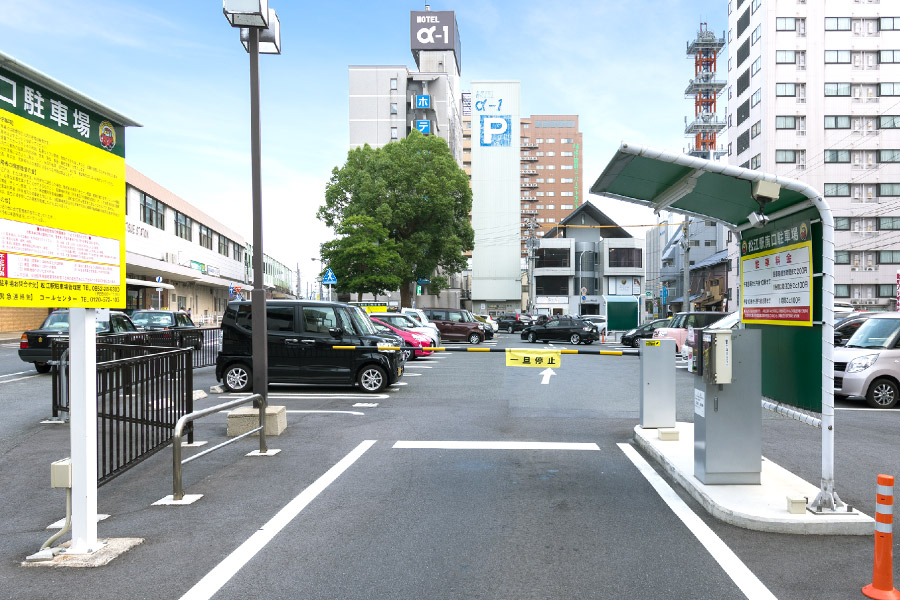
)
(488, 329)
(457, 324)
(488, 320)
(405, 321)
(847, 326)
(34, 345)
(418, 315)
(842, 308)
(682, 322)
(413, 339)
(633, 337)
(513, 322)
(301, 338)
(178, 321)
(576, 331)
(598, 320)
(868, 365)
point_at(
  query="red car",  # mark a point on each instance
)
(410, 337)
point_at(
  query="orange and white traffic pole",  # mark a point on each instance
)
(882, 586)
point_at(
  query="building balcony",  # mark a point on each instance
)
(528, 172)
(529, 185)
(528, 157)
(528, 198)
(527, 211)
(528, 145)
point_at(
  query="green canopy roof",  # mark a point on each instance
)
(690, 185)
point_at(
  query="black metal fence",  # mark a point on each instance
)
(142, 391)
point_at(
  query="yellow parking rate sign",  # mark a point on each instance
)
(518, 357)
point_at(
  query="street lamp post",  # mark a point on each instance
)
(260, 33)
(320, 276)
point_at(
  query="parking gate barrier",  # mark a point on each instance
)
(504, 350)
(882, 586)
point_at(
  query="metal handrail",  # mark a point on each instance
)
(177, 489)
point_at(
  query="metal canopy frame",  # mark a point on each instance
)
(697, 187)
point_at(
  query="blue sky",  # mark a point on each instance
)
(179, 69)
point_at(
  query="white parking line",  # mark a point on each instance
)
(213, 581)
(12, 374)
(412, 374)
(19, 379)
(886, 411)
(742, 576)
(448, 445)
(418, 367)
(340, 412)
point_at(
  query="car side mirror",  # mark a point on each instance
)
(336, 332)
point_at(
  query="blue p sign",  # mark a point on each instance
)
(496, 130)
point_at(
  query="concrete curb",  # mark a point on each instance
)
(756, 507)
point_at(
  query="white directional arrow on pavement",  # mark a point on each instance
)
(547, 373)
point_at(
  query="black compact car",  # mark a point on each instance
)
(34, 346)
(178, 322)
(575, 331)
(302, 335)
(633, 337)
(510, 323)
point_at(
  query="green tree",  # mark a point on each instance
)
(415, 189)
(362, 257)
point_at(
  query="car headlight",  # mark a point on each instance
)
(386, 347)
(480, 326)
(861, 363)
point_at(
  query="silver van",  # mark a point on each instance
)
(868, 365)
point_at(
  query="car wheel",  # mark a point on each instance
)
(406, 352)
(509, 329)
(532, 338)
(883, 393)
(372, 379)
(575, 339)
(474, 338)
(42, 367)
(635, 343)
(238, 378)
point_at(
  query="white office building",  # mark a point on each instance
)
(814, 94)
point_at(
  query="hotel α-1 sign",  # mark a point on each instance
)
(776, 276)
(62, 201)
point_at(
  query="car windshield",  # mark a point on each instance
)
(152, 319)
(361, 320)
(57, 321)
(729, 321)
(874, 333)
(415, 317)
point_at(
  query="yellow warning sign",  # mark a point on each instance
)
(652, 343)
(519, 357)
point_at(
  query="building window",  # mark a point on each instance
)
(567, 206)
(889, 122)
(837, 122)
(888, 222)
(785, 56)
(394, 133)
(837, 156)
(755, 5)
(757, 33)
(743, 82)
(743, 23)
(743, 113)
(393, 108)
(888, 24)
(756, 161)
(889, 189)
(886, 290)
(393, 83)
(183, 226)
(888, 89)
(567, 140)
(837, 23)
(153, 212)
(565, 167)
(833, 57)
(743, 53)
(785, 156)
(889, 156)
(786, 89)
(837, 189)
(889, 257)
(841, 290)
(626, 258)
(551, 285)
(837, 89)
(237, 251)
(786, 122)
(566, 154)
(888, 56)
(567, 180)
(842, 257)
(567, 193)
(743, 142)
(756, 66)
(785, 24)
(224, 243)
(756, 129)
(206, 237)
(842, 223)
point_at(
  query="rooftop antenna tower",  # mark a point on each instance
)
(704, 88)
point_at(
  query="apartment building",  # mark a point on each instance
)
(814, 94)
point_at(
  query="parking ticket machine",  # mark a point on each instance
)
(727, 408)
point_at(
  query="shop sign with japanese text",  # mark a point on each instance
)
(62, 201)
(776, 276)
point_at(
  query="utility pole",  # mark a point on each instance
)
(686, 241)
(531, 242)
(299, 288)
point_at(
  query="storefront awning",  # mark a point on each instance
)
(151, 284)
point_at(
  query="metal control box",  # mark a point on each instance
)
(61, 473)
(717, 356)
(657, 383)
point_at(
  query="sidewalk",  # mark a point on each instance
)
(759, 507)
(10, 336)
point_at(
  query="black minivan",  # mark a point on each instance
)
(301, 339)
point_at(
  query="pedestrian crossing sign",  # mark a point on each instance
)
(329, 279)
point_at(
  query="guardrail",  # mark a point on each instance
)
(177, 462)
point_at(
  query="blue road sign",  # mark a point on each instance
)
(423, 101)
(329, 279)
(664, 294)
(424, 126)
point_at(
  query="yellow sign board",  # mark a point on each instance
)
(62, 204)
(651, 343)
(518, 357)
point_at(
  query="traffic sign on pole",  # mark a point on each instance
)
(329, 279)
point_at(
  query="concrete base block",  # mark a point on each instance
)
(57, 557)
(668, 435)
(796, 505)
(244, 419)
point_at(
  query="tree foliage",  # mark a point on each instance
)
(362, 257)
(417, 192)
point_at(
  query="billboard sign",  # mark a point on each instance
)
(424, 126)
(423, 101)
(62, 200)
(434, 30)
